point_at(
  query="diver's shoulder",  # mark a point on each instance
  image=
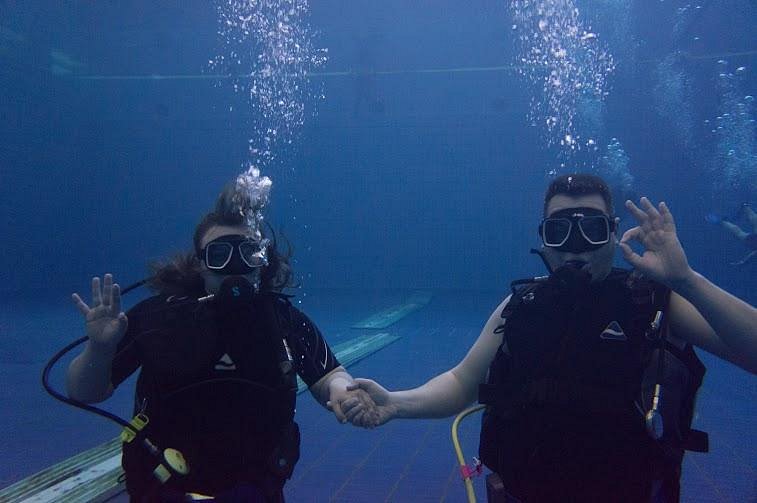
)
(160, 302)
(278, 298)
(147, 304)
(282, 304)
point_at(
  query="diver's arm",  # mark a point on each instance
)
(713, 319)
(336, 380)
(88, 375)
(442, 396)
(317, 365)
(336, 391)
(447, 393)
(700, 312)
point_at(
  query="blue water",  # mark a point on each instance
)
(399, 180)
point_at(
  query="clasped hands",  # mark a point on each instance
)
(364, 403)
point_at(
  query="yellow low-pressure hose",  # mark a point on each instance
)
(464, 470)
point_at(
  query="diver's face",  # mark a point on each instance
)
(213, 278)
(597, 262)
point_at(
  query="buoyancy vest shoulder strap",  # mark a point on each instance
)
(523, 290)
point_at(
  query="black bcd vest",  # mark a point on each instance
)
(568, 389)
(212, 387)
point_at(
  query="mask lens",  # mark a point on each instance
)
(595, 229)
(252, 253)
(217, 255)
(555, 231)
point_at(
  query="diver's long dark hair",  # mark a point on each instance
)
(180, 274)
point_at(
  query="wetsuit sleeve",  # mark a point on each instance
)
(127, 359)
(313, 356)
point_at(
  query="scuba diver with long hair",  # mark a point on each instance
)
(219, 348)
(588, 375)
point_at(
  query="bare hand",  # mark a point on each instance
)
(663, 258)
(106, 323)
(383, 409)
(353, 405)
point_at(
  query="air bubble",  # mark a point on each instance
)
(268, 48)
(564, 61)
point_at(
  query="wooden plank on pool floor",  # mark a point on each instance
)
(93, 475)
(392, 315)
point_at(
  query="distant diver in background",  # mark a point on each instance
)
(748, 238)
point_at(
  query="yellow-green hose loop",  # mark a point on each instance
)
(459, 451)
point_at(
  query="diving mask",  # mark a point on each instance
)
(234, 254)
(577, 230)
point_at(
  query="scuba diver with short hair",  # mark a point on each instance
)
(748, 238)
(588, 374)
(219, 348)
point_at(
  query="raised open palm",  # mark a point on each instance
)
(106, 323)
